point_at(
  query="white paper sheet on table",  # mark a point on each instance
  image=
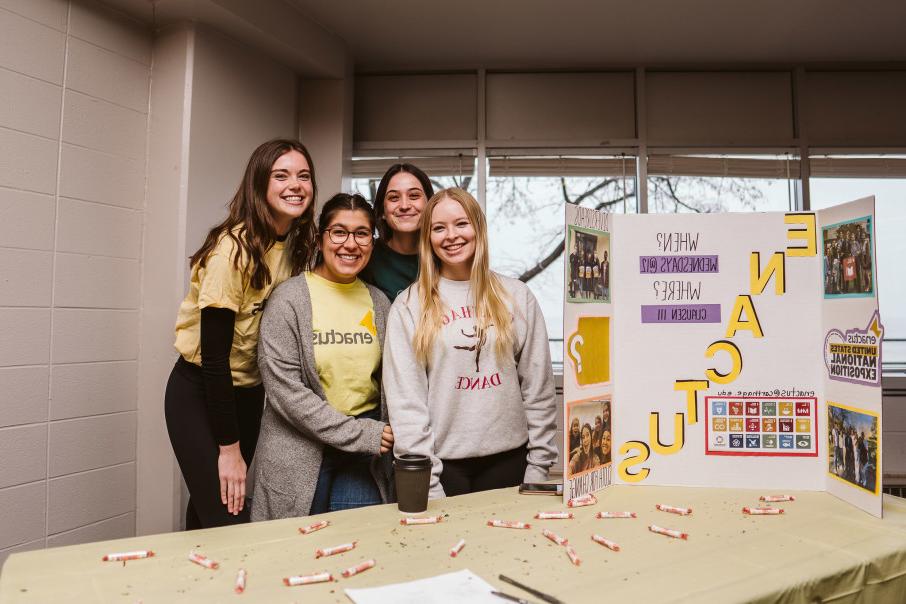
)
(461, 586)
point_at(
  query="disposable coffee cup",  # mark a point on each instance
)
(413, 475)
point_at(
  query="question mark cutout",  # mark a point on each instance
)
(574, 343)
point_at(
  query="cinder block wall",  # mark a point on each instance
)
(74, 82)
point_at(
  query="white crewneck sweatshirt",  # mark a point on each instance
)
(467, 402)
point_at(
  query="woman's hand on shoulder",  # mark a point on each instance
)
(387, 439)
(231, 470)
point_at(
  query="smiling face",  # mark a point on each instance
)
(586, 439)
(289, 189)
(403, 203)
(606, 442)
(452, 239)
(343, 261)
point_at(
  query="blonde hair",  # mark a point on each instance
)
(488, 294)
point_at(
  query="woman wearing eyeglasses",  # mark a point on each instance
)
(324, 429)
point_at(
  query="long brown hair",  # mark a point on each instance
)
(384, 230)
(489, 295)
(250, 223)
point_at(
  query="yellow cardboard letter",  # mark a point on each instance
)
(776, 267)
(691, 387)
(742, 305)
(806, 234)
(679, 433)
(642, 455)
(735, 357)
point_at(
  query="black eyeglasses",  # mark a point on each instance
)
(339, 236)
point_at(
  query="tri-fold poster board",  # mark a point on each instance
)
(723, 350)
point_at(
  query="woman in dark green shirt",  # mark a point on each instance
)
(398, 205)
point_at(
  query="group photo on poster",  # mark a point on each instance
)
(848, 258)
(853, 446)
(590, 436)
(588, 266)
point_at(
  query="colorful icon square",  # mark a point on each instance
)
(753, 408)
(785, 409)
(803, 408)
(753, 424)
(753, 441)
(735, 407)
(803, 441)
(786, 441)
(768, 424)
(769, 441)
(719, 424)
(786, 424)
(736, 441)
(803, 424)
(719, 440)
(718, 407)
(769, 407)
(736, 424)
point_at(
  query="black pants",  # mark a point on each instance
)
(505, 469)
(195, 447)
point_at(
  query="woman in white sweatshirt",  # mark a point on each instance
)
(467, 369)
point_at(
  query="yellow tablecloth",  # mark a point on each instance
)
(821, 549)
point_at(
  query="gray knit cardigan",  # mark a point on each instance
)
(297, 419)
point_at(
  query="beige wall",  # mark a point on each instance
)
(73, 118)
(239, 99)
(101, 202)
(164, 242)
(325, 126)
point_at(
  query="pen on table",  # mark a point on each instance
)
(507, 596)
(534, 592)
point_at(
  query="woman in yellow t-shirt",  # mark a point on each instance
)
(214, 397)
(325, 433)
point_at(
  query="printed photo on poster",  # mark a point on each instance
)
(590, 436)
(588, 265)
(848, 263)
(853, 446)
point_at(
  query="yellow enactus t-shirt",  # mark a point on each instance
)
(221, 285)
(347, 351)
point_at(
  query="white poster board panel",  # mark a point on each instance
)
(588, 417)
(700, 318)
(851, 354)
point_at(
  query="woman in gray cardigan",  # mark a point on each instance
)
(324, 433)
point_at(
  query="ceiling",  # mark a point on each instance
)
(317, 37)
(419, 35)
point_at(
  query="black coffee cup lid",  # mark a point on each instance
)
(411, 461)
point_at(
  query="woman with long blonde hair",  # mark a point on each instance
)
(467, 368)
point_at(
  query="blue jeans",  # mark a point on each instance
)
(344, 480)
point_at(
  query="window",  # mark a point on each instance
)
(525, 195)
(721, 183)
(525, 201)
(456, 170)
(835, 180)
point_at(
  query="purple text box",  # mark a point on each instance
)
(681, 313)
(678, 264)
